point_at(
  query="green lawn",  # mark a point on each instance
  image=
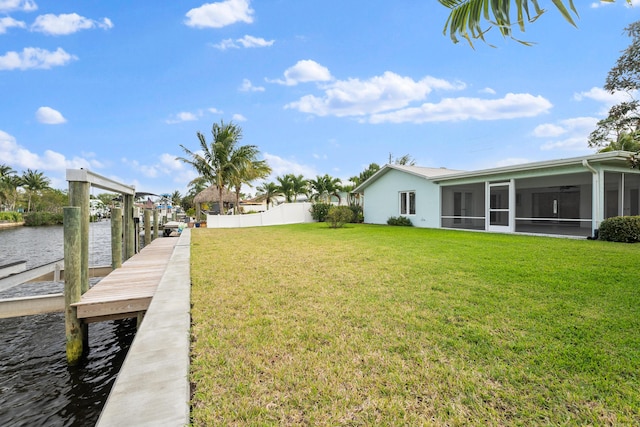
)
(379, 325)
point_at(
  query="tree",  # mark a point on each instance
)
(323, 187)
(176, 198)
(621, 129)
(33, 182)
(291, 186)
(268, 192)
(8, 185)
(405, 160)
(246, 169)
(215, 163)
(365, 174)
(467, 17)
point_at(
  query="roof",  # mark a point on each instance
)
(422, 172)
(211, 194)
(620, 157)
(438, 175)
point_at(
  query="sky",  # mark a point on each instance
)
(320, 87)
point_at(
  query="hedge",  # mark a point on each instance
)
(624, 229)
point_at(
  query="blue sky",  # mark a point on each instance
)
(319, 86)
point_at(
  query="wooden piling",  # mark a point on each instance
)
(129, 227)
(74, 328)
(116, 238)
(156, 224)
(79, 197)
(147, 227)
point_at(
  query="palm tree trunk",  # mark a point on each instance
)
(220, 202)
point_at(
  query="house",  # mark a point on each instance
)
(565, 197)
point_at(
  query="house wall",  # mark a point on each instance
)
(382, 199)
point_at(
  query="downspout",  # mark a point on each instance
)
(596, 195)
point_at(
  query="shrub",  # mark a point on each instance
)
(358, 215)
(339, 216)
(624, 229)
(400, 220)
(319, 211)
(11, 216)
(34, 219)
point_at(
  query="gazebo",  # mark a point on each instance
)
(211, 195)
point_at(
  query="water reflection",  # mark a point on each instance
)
(37, 387)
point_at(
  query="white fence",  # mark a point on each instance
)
(286, 213)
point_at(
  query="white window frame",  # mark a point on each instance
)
(406, 197)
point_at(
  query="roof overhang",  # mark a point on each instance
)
(420, 172)
(618, 158)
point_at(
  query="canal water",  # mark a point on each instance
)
(37, 388)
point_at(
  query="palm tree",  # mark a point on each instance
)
(291, 186)
(323, 187)
(246, 169)
(7, 175)
(215, 162)
(285, 187)
(268, 192)
(467, 16)
(176, 198)
(625, 142)
(33, 182)
(299, 185)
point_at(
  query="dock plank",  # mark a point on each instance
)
(129, 289)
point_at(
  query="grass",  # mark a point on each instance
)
(379, 325)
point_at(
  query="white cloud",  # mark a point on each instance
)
(68, 23)
(184, 116)
(488, 91)
(511, 106)
(598, 4)
(221, 14)
(280, 166)
(355, 97)
(149, 171)
(248, 87)
(548, 130)
(35, 58)
(239, 118)
(49, 116)
(605, 97)
(23, 5)
(8, 22)
(304, 71)
(181, 172)
(574, 132)
(19, 157)
(247, 42)
(213, 110)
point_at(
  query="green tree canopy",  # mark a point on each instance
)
(33, 183)
(223, 163)
(268, 192)
(471, 19)
(324, 187)
(291, 186)
(365, 174)
(620, 130)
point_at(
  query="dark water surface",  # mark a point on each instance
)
(37, 388)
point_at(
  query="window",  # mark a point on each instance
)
(408, 203)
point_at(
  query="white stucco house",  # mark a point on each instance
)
(565, 197)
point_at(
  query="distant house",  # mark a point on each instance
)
(566, 196)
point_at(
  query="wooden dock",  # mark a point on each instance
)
(128, 290)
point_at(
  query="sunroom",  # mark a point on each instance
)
(562, 197)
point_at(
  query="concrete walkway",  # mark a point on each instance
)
(152, 388)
